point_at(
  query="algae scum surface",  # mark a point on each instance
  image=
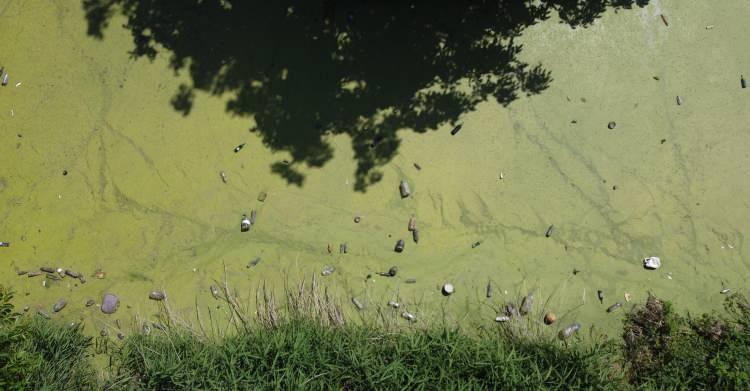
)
(143, 199)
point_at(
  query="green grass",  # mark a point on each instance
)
(660, 350)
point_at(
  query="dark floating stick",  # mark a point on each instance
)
(456, 129)
(743, 82)
(548, 233)
(614, 307)
(239, 147)
(417, 166)
(476, 244)
(664, 19)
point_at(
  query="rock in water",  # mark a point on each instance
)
(569, 331)
(245, 224)
(600, 295)
(157, 295)
(611, 125)
(412, 223)
(110, 303)
(526, 304)
(614, 307)
(550, 318)
(403, 187)
(652, 263)
(59, 305)
(448, 289)
(327, 271)
(400, 246)
(415, 235)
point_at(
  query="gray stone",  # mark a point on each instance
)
(110, 303)
(652, 263)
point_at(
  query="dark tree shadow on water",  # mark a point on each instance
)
(306, 69)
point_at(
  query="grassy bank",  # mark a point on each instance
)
(301, 347)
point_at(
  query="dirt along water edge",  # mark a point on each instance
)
(143, 200)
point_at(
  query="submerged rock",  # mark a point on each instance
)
(157, 295)
(110, 303)
(59, 305)
(403, 188)
(569, 331)
(652, 263)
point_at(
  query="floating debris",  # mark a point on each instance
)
(394, 304)
(447, 289)
(412, 223)
(73, 274)
(5, 79)
(743, 82)
(110, 303)
(411, 281)
(725, 291)
(245, 224)
(569, 331)
(612, 124)
(399, 246)
(417, 166)
(90, 302)
(327, 271)
(600, 295)
(253, 263)
(404, 189)
(100, 274)
(456, 129)
(488, 291)
(627, 297)
(679, 100)
(652, 263)
(357, 219)
(550, 318)
(664, 19)
(409, 316)
(415, 235)
(501, 176)
(4, 244)
(59, 305)
(239, 147)
(253, 216)
(223, 176)
(157, 295)
(502, 318)
(614, 307)
(476, 244)
(548, 233)
(262, 196)
(357, 303)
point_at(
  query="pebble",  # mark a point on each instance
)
(489, 289)
(476, 244)
(357, 219)
(110, 303)
(253, 263)
(447, 289)
(569, 331)
(409, 316)
(652, 263)
(502, 318)
(327, 270)
(43, 314)
(262, 196)
(357, 303)
(404, 189)
(611, 125)
(725, 291)
(59, 305)
(415, 235)
(73, 274)
(399, 246)
(90, 302)
(157, 295)
(679, 100)
(393, 304)
(548, 233)
(412, 223)
(614, 307)
(550, 318)
(526, 304)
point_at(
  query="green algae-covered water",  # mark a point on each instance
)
(143, 199)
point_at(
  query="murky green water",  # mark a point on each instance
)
(143, 199)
